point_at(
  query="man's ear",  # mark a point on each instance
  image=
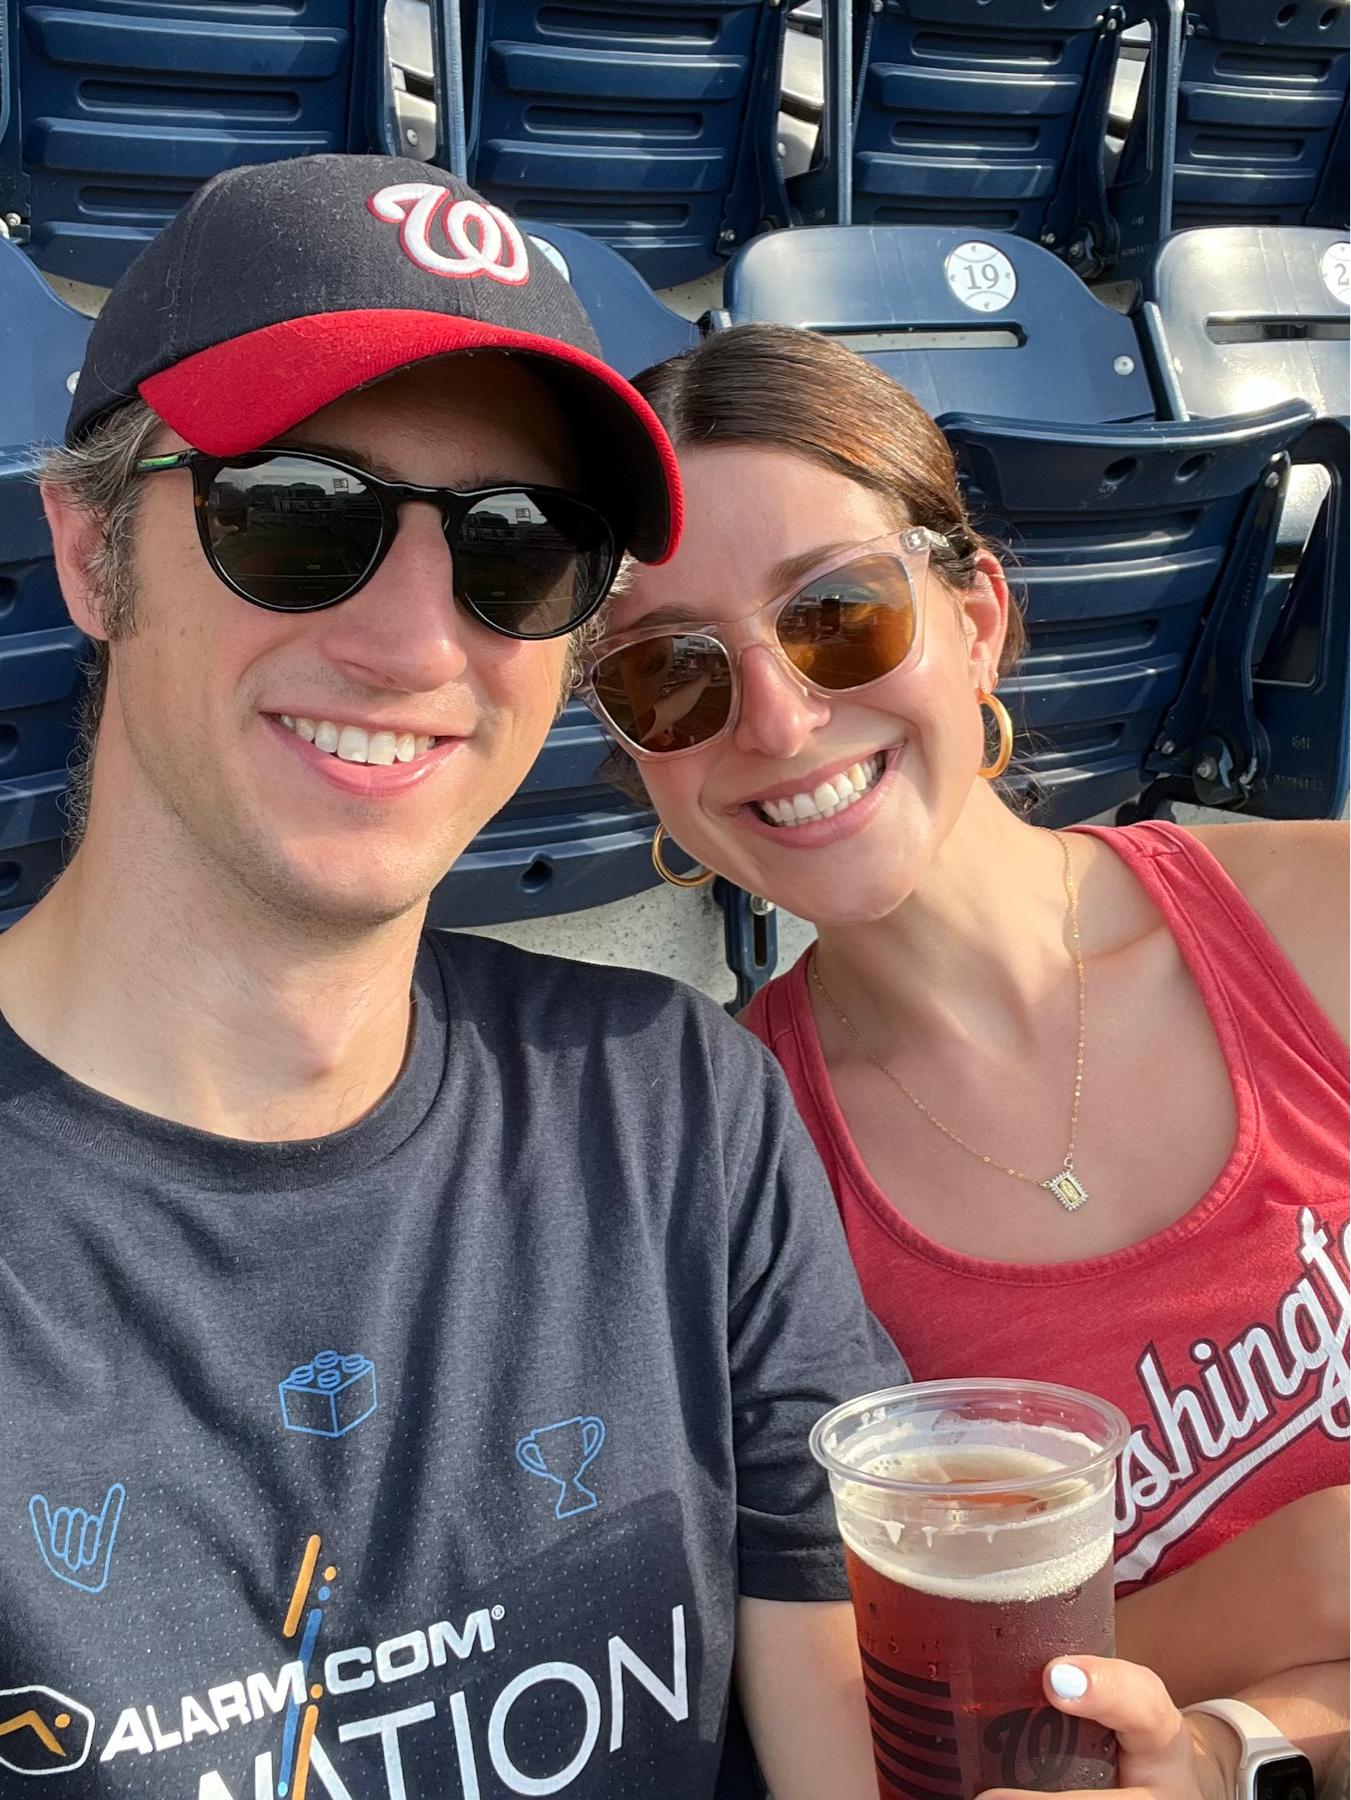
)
(985, 609)
(76, 540)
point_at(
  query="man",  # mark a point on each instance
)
(408, 1345)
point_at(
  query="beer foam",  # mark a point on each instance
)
(1036, 1581)
(914, 1556)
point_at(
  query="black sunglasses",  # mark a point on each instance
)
(297, 532)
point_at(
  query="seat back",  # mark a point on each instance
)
(995, 118)
(123, 110)
(1124, 541)
(988, 324)
(635, 328)
(649, 124)
(42, 346)
(1262, 114)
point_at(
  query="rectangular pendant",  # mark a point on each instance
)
(1068, 1190)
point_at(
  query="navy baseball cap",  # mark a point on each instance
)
(282, 286)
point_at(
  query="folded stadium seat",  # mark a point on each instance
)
(995, 118)
(651, 125)
(1241, 316)
(570, 839)
(41, 347)
(968, 323)
(121, 110)
(1261, 122)
(1238, 317)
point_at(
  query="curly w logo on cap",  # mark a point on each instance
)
(414, 206)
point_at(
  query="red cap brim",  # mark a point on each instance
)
(239, 395)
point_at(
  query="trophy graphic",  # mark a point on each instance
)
(562, 1453)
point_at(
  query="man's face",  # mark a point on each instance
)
(197, 696)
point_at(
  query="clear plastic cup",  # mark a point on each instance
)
(977, 1525)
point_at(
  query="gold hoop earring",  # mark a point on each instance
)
(702, 879)
(992, 771)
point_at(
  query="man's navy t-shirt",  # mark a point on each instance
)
(427, 1461)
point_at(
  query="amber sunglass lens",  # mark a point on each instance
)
(852, 626)
(666, 693)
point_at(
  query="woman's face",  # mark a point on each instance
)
(916, 736)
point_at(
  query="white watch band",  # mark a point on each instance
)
(1258, 1735)
(1261, 1742)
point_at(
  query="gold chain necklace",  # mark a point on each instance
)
(1068, 1189)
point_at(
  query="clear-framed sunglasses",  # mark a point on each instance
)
(854, 621)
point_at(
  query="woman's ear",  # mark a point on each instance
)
(985, 620)
(76, 539)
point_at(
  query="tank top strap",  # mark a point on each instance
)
(1224, 939)
(780, 1015)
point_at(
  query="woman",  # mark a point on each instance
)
(1082, 1095)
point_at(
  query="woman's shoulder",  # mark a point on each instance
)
(1297, 879)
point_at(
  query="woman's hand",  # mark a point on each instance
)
(1162, 1755)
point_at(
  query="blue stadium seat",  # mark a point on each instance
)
(965, 323)
(651, 124)
(1128, 543)
(1261, 125)
(120, 110)
(994, 118)
(41, 347)
(1242, 316)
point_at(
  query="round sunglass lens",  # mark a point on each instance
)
(532, 563)
(852, 626)
(667, 693)
(291, 533)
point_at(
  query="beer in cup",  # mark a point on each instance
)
(977, 1524)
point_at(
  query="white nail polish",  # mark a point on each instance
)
(1068, 1682)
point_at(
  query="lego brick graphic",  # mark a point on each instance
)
(328, 1396)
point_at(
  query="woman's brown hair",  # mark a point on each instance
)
(800, 391)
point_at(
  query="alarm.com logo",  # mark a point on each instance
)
(484, 241)
(43, 1732)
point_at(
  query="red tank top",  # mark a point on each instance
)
(1222, 1338)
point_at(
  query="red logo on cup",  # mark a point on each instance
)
(484, 241)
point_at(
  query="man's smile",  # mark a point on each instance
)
(355, 744)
